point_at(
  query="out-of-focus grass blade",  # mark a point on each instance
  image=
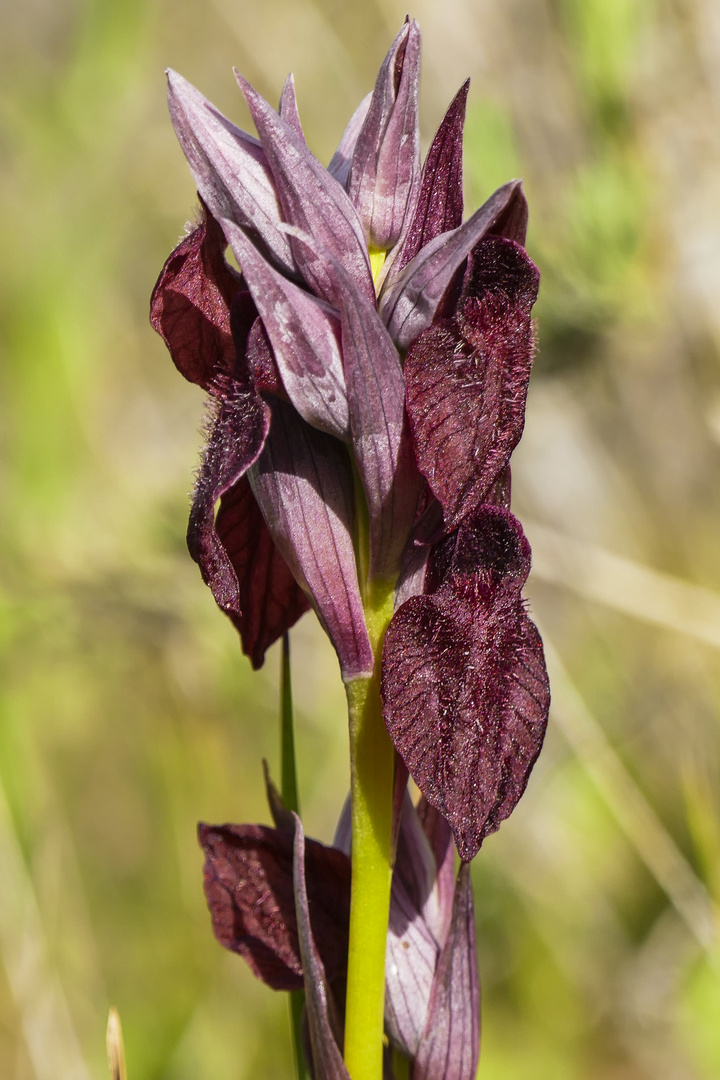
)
(625, 585)
(115, 1047)
(628, 805)
(47, 1025)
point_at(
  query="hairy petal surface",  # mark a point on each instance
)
(304, 334)
(250, 894)
(467, 377)
(440, 202)
(464, 684)
(190, 305)
(303, 485)
(312, 201)
(323, 1024)
(385, 172)
(229, 168)
(190, 308)
(450, 1044)
(235, 442)
(410, 298)
(270, 600)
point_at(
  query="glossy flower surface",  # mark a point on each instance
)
(368, 370)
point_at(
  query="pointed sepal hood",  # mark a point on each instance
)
(311, 200)
(440, 201)
(411, 298)
(229, 168)
(341, 160)
(385, 172)
(305, 336)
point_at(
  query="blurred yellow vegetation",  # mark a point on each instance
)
(126, 710)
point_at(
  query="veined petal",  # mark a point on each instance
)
(464, 685)
(303, 485)
(415, 865)
(303, 332)
(229, 168)
(250, 894)
(412, 948)
(440, 202)
(411, 957)
(410, 298)
(450, 1044)
(413, 567)
(269, 599)
(190, 305)
(323, 1024)
(385, 172)
(438, 913)
(311, 200)
(341, 160)
(378, 426)
(421, 903)
(467, 377)
(288, 110)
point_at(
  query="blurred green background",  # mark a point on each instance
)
(126, 710)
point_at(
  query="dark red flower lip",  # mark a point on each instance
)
(464, 683)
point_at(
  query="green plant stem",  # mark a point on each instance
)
(288, 769)
(401, 1066)
(372, 760)
(289, 790)
(297, 1004)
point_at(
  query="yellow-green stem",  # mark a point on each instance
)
(371, 784)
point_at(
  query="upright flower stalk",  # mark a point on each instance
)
(372, 767)
(368, 370)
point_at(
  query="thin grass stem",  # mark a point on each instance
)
(289, 789)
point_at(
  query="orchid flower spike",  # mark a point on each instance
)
(337, 397)
(367, 370)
